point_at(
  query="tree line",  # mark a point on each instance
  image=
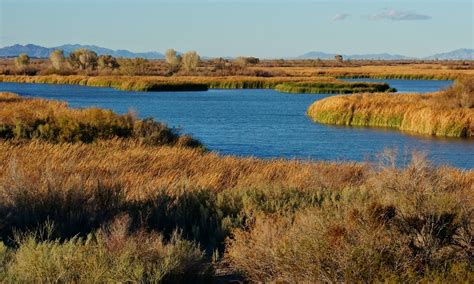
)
(86, 60)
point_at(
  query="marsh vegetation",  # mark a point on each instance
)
(445, 113)
(120, 209)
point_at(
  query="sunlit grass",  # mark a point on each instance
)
(445, 113)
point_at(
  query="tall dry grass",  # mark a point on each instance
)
(22, 118)
(161, 83)
(323, 216)
(380, 70)
(333, 87)
(445, 113)
(125, 210)
(403, 225)
(309, 84)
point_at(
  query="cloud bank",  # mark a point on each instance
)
(398, 15)
(340, 17)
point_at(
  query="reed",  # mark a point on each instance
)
(157, 83)
(211, 198)
(125, 83)
(125, 210)
(440, 114)
(336, 87)
(24, 119)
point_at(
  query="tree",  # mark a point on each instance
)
(107, 62)
(22, 61)
(244, 61)
(190, 60)
(135, 66)
(57, 59)
(173, 60)
(83, 59)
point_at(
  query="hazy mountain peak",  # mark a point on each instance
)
(42, 52)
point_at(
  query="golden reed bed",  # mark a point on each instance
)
(446, 113)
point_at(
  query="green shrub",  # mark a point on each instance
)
(109, 255)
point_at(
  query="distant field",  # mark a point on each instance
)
(277, 68)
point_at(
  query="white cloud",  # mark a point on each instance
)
(398, 15)
(340, 17)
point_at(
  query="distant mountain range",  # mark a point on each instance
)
(43, 52)
(459, 54)
(464, 54)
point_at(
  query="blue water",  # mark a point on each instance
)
(262, 123)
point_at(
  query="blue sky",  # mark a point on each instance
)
(264, 28)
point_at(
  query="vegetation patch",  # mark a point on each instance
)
(336, 87)
(254, 217)
(446, 113)
(25, 119)
(120, 210)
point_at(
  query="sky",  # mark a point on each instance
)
(262, 28)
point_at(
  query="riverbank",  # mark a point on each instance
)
(118, 208)
(196, 83)
(446, 113)
(157, 83)
(336, 87)
(38, 119)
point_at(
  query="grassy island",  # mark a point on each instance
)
(336, 87)
(53, 121)
(445, 113)
(91, 196)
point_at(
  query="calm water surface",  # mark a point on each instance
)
(262, 123)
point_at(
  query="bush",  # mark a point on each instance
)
(414, 228)
(111, 254)
(22, 61)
